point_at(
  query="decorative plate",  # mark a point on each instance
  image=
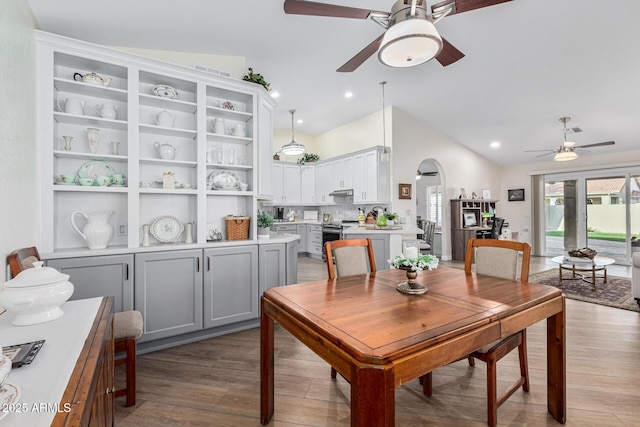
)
(227, 105)
(95, 167)
(164, 91)
(9, 394)
(166, 229)
(223, 180)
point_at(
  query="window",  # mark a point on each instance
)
(434, 204)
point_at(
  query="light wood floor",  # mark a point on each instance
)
(216, 382)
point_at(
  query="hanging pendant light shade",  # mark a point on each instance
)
(385, 151)
(292, 148)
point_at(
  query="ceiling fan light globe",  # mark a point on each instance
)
(293, 149)
(565, 156)
(409, 43)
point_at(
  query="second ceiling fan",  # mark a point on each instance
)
(410, 38)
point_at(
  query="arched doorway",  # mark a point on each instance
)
(430, 200)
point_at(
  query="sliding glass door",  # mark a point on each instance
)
(595, 209)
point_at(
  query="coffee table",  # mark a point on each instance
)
(576, 265)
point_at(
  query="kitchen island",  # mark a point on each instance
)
(387, 241)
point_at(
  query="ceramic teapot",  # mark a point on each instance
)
(98, 230)
(165, 151)
(165, 119)
(239, 130)
(107, 111)
(92, 78)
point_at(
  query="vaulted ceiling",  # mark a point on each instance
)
(527, 63)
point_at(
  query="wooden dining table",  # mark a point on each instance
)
(378, 338)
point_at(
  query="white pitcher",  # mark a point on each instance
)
(239, 130)
(218, 126)
(165, 119)
(98, 231)
(165, 151)
(71, 106)
(107, 111)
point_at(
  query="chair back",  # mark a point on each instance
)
(429, 232)
(496, 227)
(498, 258)
(352, 256)
(21, 259)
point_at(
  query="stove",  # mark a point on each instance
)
(333, 231)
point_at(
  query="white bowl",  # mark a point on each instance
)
(36, 294)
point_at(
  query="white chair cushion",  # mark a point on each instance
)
(497, 262)
(127, 324)
(351, 260)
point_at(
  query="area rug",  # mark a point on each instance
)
(615, 293)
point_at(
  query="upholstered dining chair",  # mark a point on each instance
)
(426, 244)
(352, 257)
(127, 326)
(498, 258)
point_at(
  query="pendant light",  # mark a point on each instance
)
(385, 151)
(292, 148)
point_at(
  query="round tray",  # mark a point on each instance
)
(405, 289)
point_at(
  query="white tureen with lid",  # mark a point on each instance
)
(35, 295)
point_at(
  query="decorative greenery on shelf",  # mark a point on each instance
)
(256, 78)
(416, 264)
(265, 220)
(308, 157)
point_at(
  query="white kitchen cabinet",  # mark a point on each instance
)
(324, 183)
(127, 144)
(230, 285)
(286, 183)
(168, 292)
(343, 173)
(271, 267)
(308, 184)
(371, 178)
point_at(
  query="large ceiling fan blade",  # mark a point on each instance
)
(300, 7)
(361, 56)
(546, 154)
(464, 5)
(538, 151)
(599, 144)
(449, 54)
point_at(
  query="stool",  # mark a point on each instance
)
(127, 328)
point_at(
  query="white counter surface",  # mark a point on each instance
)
(43, 382)
(369, 229)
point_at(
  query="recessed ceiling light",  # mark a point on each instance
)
(348, 94)
(495, 144)
(299, 121)
(275, 94)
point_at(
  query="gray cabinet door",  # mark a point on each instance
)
(292, 263)
(302, 232)
(230, 285)
(100, 276)
(381, 248)
(271, 266)
(168, 292)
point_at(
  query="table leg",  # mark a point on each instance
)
(605, 273)
(266, 366)
(560, 273)
(556, 366)
(593, 277)
(372, 397)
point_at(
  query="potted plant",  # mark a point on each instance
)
(265, 222)
(308, 157)
(256, 78)
(391, 218)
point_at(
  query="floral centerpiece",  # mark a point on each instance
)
(412, 266)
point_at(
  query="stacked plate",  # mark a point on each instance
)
(164, 91)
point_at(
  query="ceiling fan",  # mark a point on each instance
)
(410, 38)
(567, 151)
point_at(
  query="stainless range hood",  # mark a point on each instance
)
(341, 193)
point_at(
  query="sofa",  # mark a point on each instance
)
(635, 276)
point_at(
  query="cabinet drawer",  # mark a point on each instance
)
(315, 249)
(316, 238)
(287, 228)
(315, 228)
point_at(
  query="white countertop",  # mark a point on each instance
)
(297, 222)
(43, 382)
(369, 229)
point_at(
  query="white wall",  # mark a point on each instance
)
(519, 176)
(234, 65)
(18, 189)
(412, 143)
